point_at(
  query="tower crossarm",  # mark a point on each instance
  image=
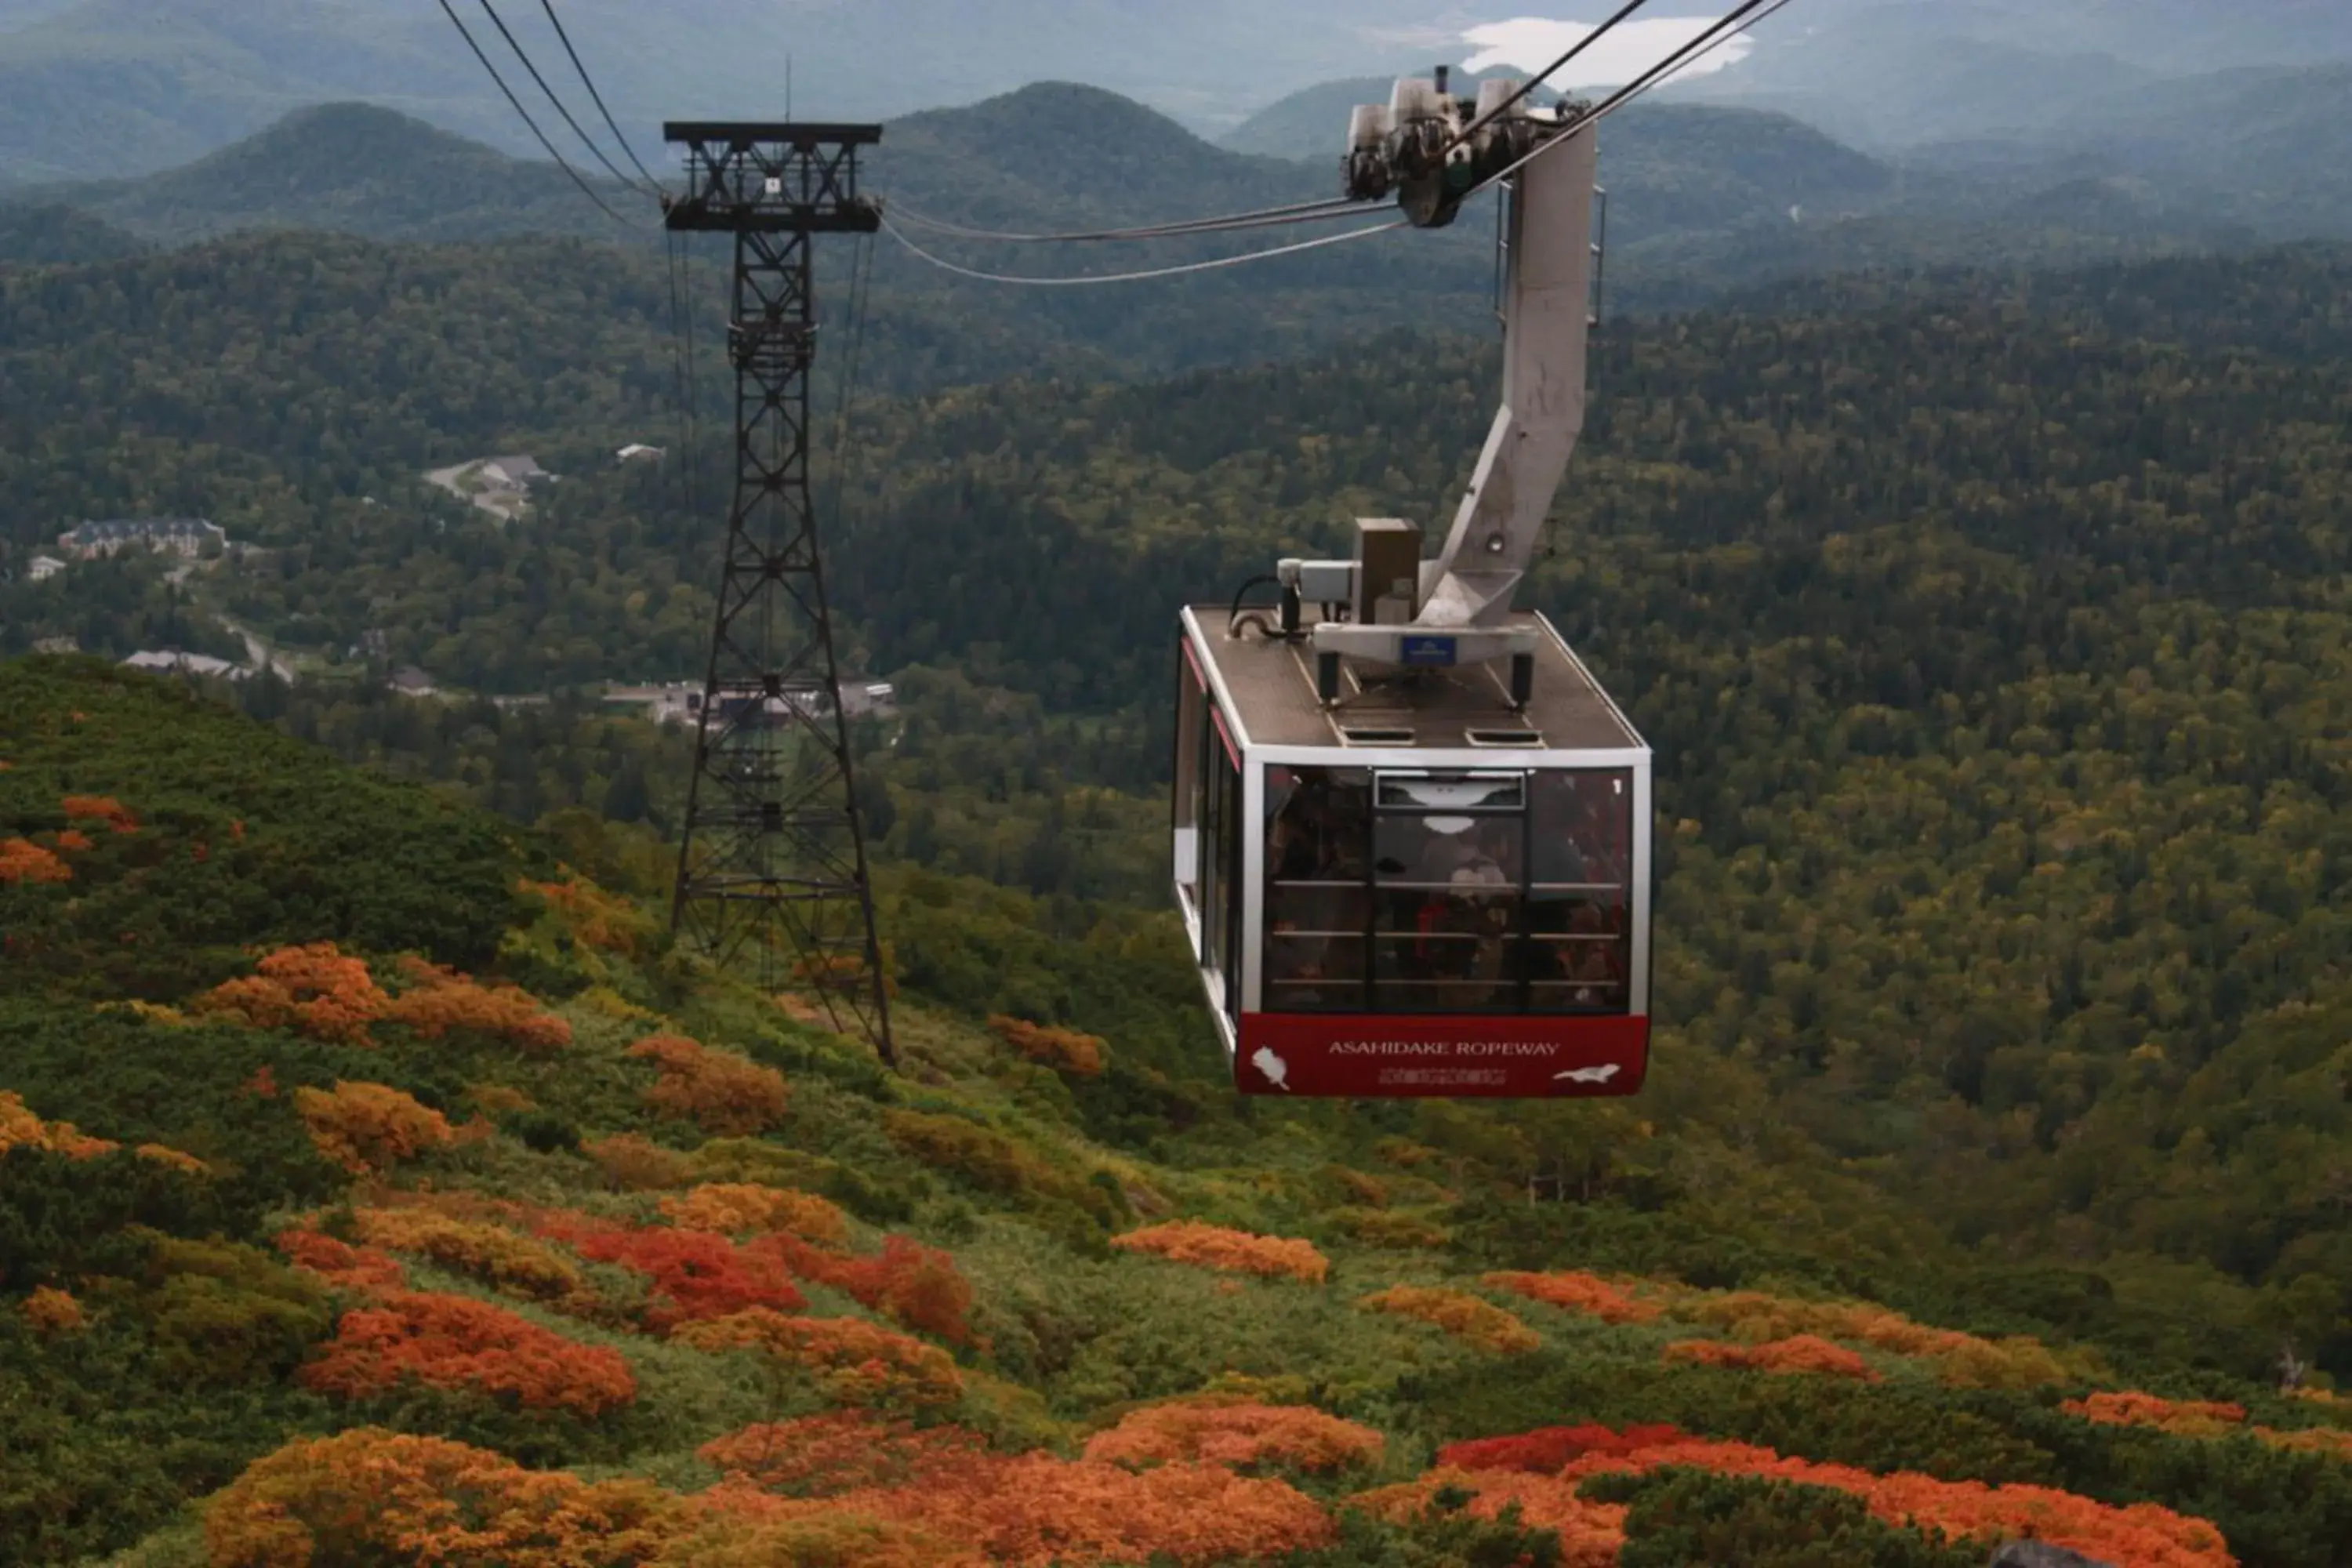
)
(773, 177)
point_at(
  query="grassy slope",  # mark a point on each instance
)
(1022, 1172)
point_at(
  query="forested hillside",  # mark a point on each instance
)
(362, 1156)
(1989, 636)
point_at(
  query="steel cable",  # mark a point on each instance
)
(894, 231)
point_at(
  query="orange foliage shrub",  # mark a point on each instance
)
(724, 1094)
(1964, 1361)
(19, 1125)
(841, 1452)
(75, 839)
(2182, 1417)
(1036, 1510)
(1589, 1533)
(365, 1127)
(1236, 1251)
(53, 1312)
(739, 1528)
(371, 1496)
(314, 990)
(99, 809)
(1064, 1050)
(340, 1263)
(520, 1265)
(694, 1275)
(2327, 1440)
(597, 917)
(456, 1343)
(633, 1163)
(497, 1098)
(855, 1362)
(1800, 1352)
(1574, 1292)
(179, 1160)
(2143, 1534)
(735, 1208)
(439, 1000)
(2203, 1419)
(1237, 1432)
(22, 860)
(917, 1285)
(1464, 1316)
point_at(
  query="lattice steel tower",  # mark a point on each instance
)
(774, 854)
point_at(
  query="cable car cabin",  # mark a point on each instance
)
(1418, 889)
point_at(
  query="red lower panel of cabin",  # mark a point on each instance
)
(1373, 1056)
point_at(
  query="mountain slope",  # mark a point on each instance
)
(353, 169)
(387, 1226)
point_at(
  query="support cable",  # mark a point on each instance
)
(587, 189)
(861, 294)
(896, 232)
(500, 23)
(1537, 80)
(1298, 212)
(1690, 54)
(588, 83)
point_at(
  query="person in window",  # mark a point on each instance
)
(1482, 906)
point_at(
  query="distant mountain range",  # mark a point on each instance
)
(1704, 200)
(108, 89)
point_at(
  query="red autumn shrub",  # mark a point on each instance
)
(917, 1285)
(340, 1263)
(456, 1343)
(694, 1275)
(1546, 1450)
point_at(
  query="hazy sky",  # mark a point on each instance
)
(1530, 43)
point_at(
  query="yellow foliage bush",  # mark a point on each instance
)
(633, 1163)
(1064, 1050)
(730, 1208)
(1464, 1316)
(368, 1127)
(507, 1261)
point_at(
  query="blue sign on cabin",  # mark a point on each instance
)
(1428, 652)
